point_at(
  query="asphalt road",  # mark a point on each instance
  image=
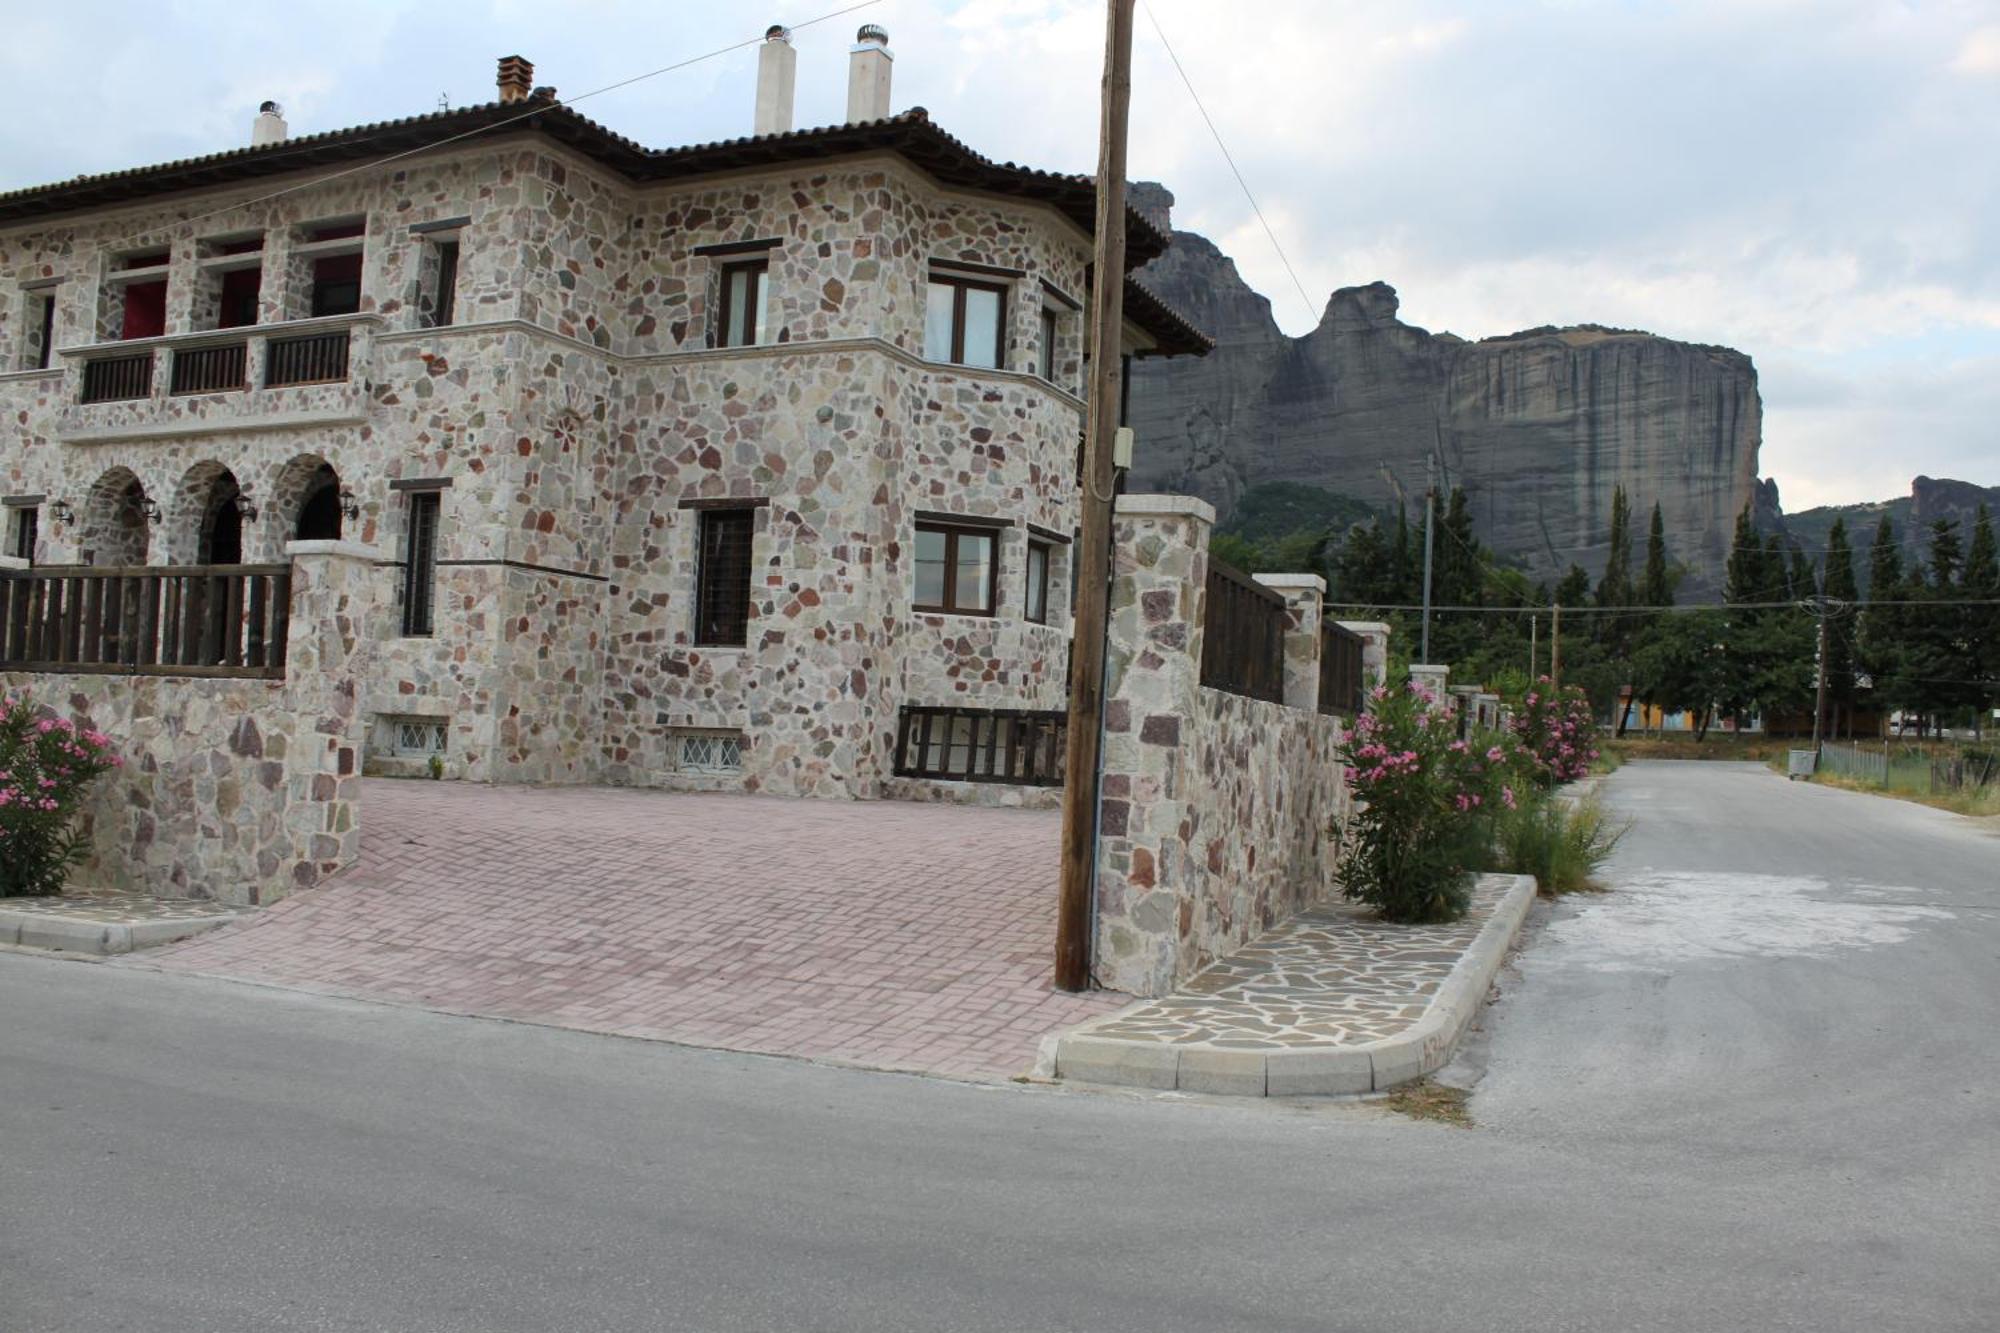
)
(1753, 1089)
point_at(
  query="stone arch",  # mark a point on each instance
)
(115, 529)
(306, 500)
(208, 528)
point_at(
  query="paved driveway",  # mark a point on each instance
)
(883, 933)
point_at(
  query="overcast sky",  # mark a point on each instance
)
(1815, 182)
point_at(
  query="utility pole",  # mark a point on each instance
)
(1826, 608)
(1556, 644)
(1534, 647)
(1093, 554)
(1430, 513)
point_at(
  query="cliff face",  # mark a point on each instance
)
(1537, 426)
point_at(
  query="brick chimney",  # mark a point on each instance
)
(868, 65)
(777, 71)
(517, 79)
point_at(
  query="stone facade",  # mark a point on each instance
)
(1219, 811)
(566, 421)
(236, 790)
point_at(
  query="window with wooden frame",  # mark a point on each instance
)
(1047, 362)
(723, 540)
(1041, 555)
(440, 299)
(41, 325)
(958, 569)
(965, 321)
(420, 564)
(27, 529)
(739, 311)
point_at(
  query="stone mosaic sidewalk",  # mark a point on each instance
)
(106, 923)
(1333, 1001)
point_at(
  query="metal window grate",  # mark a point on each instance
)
(722, 577)
(417, 737)
(420, 565)
(709, 752)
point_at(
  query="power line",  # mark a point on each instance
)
(1227, 156)
(537, 108)
(1650, 610)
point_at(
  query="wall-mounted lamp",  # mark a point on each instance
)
(62, 513)
(150, 508)
(246, 506)
(350, 508)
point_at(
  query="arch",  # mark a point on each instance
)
(306, 500)
(115, 530)
(207, 526)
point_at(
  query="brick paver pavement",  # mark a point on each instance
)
(885, 933)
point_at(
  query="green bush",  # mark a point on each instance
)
(1561, 843)
(46, 764)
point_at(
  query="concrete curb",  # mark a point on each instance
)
(1427, 1046)
(43, 930)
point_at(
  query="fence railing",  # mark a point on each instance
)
(1850, 761)
(209, 369)
(1341, 687)
(110, 379)
(1968, 770)
(193, 620)
(317, 358)
(1243, 636)
(982, 745)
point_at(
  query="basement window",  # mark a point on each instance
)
(416, 737)
(718, 752)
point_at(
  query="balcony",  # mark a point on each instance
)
(307, 372)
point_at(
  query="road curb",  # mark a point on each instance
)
(67, 934)
(1082, 1056)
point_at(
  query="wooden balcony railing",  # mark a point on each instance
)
(194, 620)
(982, 745)
(209, 369)
(1243, 636)
(318, 358)
(1341, 687)
(111, 379)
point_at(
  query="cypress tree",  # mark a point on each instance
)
(1656, 589)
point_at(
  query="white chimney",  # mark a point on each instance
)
(269, 127)
(777, 69)
(868, 75)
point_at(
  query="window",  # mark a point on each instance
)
(963, 320)
(27, 526)
(957, 569)
(440, 306)
(41, 326)
(1048, 357)
(336, 277)
(420, 564)
(416, 737)
(722, 577)
(708, 751)
(739, 316)
(1037, 605)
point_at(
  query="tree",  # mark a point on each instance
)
(1656, 588)
(1881, 634)
(1615, 588)
(1837, 583)
(1981, 582)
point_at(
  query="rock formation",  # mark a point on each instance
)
(1537, 426)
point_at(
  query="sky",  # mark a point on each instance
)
(1813, 182)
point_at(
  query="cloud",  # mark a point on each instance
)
(1981, 52)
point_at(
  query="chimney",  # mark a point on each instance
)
(868, 75)
(269, 127)
(517, 79)
(777, 67)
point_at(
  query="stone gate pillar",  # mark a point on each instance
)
(1374, 648)
(1305, 601)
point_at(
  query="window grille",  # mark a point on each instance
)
(722, 577)
(708, 752)
(420, 564)
(417, 737)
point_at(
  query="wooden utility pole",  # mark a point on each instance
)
(1556, 644)
(1822, 607)
(1430, 513)
(1093, 548)
(1534, 644)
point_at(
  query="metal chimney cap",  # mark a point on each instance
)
(777, 32)
(270, 109)
(873, 33)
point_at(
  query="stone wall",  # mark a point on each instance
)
(236, 790)
(1218, 810)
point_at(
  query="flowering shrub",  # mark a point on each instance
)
(1423, 796)
(1555, 727)
(46, 764)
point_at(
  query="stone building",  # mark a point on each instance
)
(690, 466)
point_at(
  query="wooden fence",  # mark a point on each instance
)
(1341, 686)
(193, 620)
(1243, 636)
(1008, 745)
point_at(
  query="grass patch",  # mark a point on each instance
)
(1980, 804)
(1730, 749)
(1426, 1100)
(1561, 843)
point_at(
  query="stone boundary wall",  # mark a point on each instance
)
(1219, 811)
(239, 791)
